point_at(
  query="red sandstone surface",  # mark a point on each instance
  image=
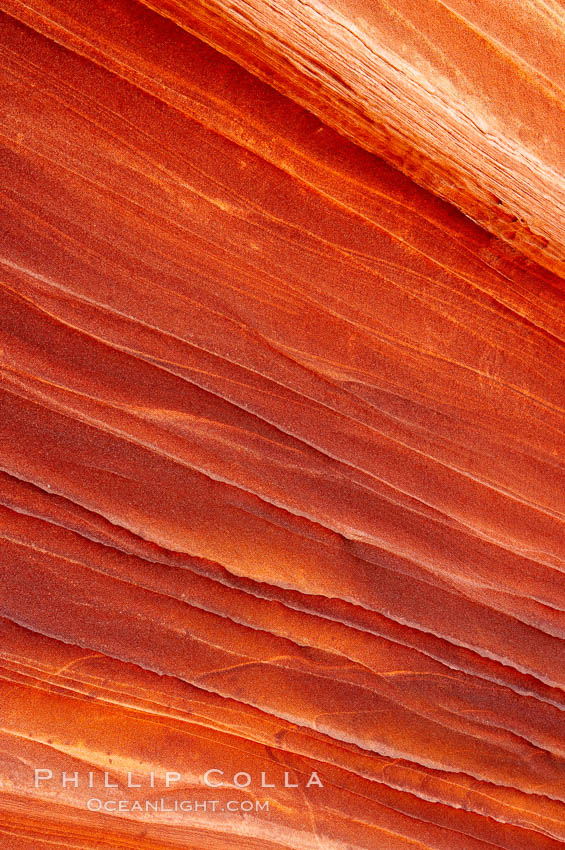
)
(465, 96)
(281, 486)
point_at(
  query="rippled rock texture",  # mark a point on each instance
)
(465, 96)
(282, 442)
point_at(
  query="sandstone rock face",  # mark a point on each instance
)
(281, 487)
(466, 96)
